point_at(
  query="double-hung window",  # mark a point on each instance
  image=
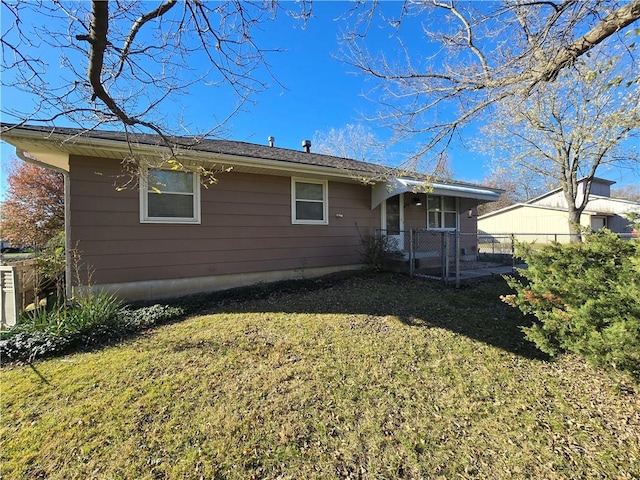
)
(169, 196)
(442, 213)
(309, 204)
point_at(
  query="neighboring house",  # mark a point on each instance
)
(277, 214)
(545, 218)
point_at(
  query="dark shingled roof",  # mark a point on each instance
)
(226, 147)
(234, 148)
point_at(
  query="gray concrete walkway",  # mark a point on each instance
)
(480, 272)
(488, 271)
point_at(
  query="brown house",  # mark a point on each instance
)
(276, 214)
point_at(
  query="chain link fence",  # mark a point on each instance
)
(448, 254)
(501, 247)
(430, 253)
(436, 253)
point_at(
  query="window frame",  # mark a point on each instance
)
(144, 199)
(442, 213)
(324, 201)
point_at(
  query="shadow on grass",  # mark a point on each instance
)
(474, 310)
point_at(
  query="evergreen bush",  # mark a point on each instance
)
(586, 298)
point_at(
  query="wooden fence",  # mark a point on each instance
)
(28, 281)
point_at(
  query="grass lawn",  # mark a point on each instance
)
(369, 377)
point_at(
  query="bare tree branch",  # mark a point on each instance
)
(571, 129)
(138, 24)
(120, 62)
(483, 54)
(613, 23)
(468, 35)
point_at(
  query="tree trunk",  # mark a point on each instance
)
(575, 230)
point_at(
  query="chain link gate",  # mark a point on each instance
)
(435, 254)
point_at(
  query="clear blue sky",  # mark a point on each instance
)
(321, 93)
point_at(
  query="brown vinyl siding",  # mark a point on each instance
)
(245, 227)
(414, 216)
(468, 227)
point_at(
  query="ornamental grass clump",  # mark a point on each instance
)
(585, 297)
(61, 324)
(69, 317)
(46, 331)
(86, 321)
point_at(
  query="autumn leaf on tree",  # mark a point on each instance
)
(33, 210)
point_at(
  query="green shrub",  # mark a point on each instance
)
(51, 264)
(585, 297)
(148, 316)
(91, 320)
(27, 346)
(70, 317)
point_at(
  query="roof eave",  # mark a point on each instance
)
(387, 189)
(54, 150)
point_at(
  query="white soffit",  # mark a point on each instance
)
(57, 161)
(382, 191)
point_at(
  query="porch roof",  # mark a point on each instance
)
(394, 186)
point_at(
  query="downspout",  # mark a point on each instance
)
(68, 290)
(67, 216)
(457, 242)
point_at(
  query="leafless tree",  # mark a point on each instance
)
(473, 55)
(358, 142)
(518, 186)
(571, 129)
(115, 62)
(354, 141)
(628, 192)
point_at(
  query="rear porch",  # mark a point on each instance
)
(448, 255)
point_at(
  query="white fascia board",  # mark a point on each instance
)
(505, 209)
(465, 191)
(625, 201)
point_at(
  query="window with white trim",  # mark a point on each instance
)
(442, 213)
(309, 204)
(169, 196)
